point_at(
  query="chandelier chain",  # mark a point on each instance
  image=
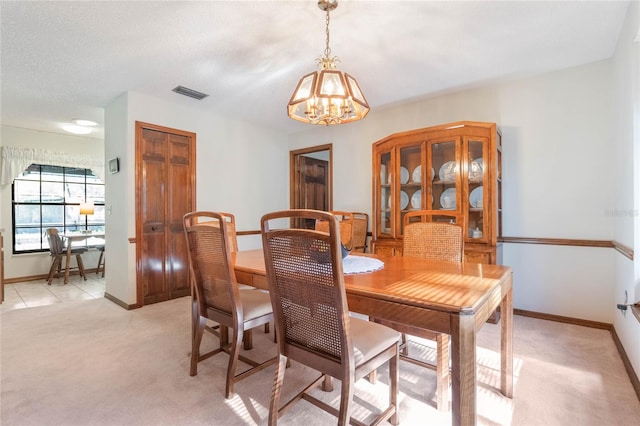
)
(327, 50)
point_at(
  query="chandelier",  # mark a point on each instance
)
(328, 96)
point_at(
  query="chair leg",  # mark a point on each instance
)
(233, 361)
(99, 262)
(275, 391)
(81, 266)
(55, 267)
(346, 396)
(196, 339)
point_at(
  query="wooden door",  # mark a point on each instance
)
(165, 191)
(313, 180)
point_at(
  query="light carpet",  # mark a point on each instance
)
(94, 363)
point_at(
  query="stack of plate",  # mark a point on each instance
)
(448, 171)
(448, 199)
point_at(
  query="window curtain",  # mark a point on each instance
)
(16, 160)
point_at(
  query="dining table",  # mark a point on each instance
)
(452, 298)
(76, 236)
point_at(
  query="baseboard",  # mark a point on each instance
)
(635, 382)
(43, 277)
(559, 318)
(120, 302)
(627, 363)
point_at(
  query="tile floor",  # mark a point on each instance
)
(37, 293)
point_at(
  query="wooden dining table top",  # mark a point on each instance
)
(460, 288)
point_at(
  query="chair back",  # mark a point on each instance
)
(345, 219)
(56, 245)
(433, 236)
(306, 284)
(360, 227)
(212, 275)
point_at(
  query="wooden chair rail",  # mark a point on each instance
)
(624, 250)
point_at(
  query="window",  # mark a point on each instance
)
(49, 197)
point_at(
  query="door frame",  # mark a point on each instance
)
(294, 186)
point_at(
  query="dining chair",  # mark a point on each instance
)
(312, 322)
(360, 227)
(216, 296)
(436, 235)
(345, 219)
(58, 252)
(232, 238)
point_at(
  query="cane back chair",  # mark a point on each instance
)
(304, 269)
(216, 296)
(436, 235)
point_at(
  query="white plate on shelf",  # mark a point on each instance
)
(475, 198)
(448, 171)
(476, 169)
(404, 175)
(417, 174)
(448, 199)
(404, 200)
(383, 174)
(433, 173)
(416, 199)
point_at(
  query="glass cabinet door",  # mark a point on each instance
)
(385, 194)
(443, 165)
(476, 155)
(411, 177)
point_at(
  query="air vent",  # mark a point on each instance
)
(190, 92)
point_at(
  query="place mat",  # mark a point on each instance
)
(360, 264)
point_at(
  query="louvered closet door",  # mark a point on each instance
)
(165, 191)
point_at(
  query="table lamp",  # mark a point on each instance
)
(87, 208)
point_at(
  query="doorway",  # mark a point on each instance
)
(310, 180)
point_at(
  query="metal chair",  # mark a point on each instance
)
(58, 251)
(216, 296)
(304, 269)
(430, 234)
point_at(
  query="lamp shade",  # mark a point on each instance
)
(87, 207)
(327, 96)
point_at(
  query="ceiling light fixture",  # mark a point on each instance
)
(77, 130)
(328, 96)
(86, 123)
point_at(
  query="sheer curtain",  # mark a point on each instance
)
(15, 160)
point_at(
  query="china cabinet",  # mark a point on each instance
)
(454, 168)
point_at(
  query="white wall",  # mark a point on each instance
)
(557, 159)
(241, 168)
(26, 265)
(626, 142)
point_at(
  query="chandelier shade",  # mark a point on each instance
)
(328, 96)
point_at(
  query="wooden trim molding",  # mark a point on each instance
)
(624, 250)
(560, 318)
(621, 248)
(120, 302)
(635, 382)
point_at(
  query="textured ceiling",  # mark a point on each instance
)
(65, 59)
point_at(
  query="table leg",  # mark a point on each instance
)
(463, 370)
(506, 344)
(66, 269)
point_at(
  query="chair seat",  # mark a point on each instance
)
(370, 338)
(255, 304)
